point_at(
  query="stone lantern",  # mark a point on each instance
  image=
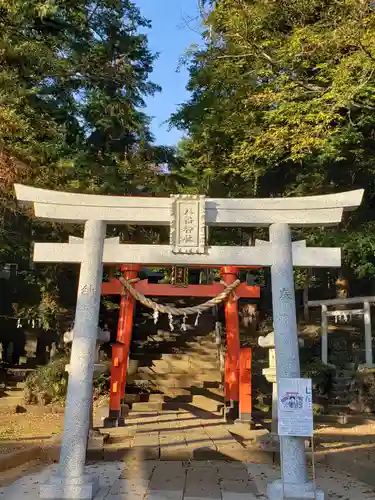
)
(103, 337)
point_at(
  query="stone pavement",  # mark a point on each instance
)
(183, 434)
(186, 455)
(210, 480)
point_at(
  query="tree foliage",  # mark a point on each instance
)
(283, 103)
(73, 79)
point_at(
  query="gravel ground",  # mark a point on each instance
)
(23, 430)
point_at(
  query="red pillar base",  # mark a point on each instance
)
(116, 418)
(245, 386)
(231, 411)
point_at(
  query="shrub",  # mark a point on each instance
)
(318, 409)
(321, 374)
(362, 391)
(101, 385)
(47, 384)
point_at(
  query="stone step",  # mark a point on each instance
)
(10, 400)
(162, 366)
(201, 403)
(341, 395)
(153, 398)
(342, 380)
(178, 336)
(18, 374)
(342, 385)
(13, 391)
(191, 356)
(152, 351)
(13, 384)
(178, 398)
(147, 406)
(165, 386)
(343, 374)
(215, 392)
(185, 378)
(174, 395)
(340, 401)
(340, 409)
(207, 403)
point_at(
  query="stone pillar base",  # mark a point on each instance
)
(66, 488)
(96, 439)
(269, 442)
(276, 491)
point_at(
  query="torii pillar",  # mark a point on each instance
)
(232, 359)
(120, 352)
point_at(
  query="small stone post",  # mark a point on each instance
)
(324, 335)
(368, 333)
(71, 482)
(294, 483)
(270, 373)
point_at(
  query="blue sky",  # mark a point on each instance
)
(173, 25)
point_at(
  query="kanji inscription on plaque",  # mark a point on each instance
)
(188, 225)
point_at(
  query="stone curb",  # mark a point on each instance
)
(16, 458)
(344, 419)
(43, 451)
(48, 450)
(359, 470)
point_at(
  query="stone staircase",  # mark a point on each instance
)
(338, 409)
(340, 395)
(176, 369)
(12, 387)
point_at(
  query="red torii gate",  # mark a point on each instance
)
(120, 350)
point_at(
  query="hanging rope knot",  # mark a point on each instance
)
(183, 326)
(155, 316)
(170, 318)
(196, 322)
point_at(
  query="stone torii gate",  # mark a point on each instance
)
(187, 217)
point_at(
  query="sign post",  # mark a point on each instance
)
(295, 416)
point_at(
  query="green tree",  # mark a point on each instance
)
(73, 79)
(283, 101)
(72, 83)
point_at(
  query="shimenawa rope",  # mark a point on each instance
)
(175, 311)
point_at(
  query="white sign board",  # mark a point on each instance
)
(294, 407)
